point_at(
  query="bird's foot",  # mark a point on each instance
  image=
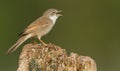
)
(44, 44)
(34, 42)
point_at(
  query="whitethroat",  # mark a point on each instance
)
(38, 28)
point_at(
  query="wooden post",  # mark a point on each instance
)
(36, 57)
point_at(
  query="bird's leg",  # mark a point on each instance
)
(34, 42)
(42, 41)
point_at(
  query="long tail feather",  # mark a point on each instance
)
(18, 43)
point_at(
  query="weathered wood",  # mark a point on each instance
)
(35, 57)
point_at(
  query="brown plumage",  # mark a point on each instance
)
(38, 28)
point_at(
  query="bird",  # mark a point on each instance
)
(38, 28)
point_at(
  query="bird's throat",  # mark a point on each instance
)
(53, 18)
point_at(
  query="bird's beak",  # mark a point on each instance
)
(59, 13)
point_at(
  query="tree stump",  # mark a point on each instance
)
(36, 57)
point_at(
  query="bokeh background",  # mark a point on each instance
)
(88, 27)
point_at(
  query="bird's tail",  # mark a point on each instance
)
(18, 43)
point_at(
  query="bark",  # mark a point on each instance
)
(36, 57)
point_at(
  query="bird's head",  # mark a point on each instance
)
(53, 14)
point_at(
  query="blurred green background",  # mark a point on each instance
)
(88, 27)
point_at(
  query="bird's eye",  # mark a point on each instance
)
(53, 12)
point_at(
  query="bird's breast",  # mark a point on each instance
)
(45, 30)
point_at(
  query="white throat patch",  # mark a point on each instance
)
(53, 18)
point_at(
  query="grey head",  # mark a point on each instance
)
(53, 14)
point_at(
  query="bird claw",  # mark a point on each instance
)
(44, 44)
(34, 42)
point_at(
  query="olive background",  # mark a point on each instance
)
(87, 27)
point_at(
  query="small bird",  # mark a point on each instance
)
(38, 28)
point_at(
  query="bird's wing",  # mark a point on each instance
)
(39, 23)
